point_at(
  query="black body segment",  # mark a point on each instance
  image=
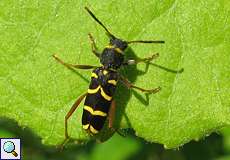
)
(112, 57)
(98, 99)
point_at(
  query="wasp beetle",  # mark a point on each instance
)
(99, 103)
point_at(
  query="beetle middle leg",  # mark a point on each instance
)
(130, 85)
(78, 66)
(138, 60)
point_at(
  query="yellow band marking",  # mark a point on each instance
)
(92, 91)
(89, 109)
(95, 113)
(99, 113)
(116, 48)
(112, 82)
(105, 72)
(94, 75)
(93, 130)
(108, 98)
(86, 126)
(109, 46)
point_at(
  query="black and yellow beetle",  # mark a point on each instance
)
(99, 103)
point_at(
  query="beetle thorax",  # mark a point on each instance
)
(113, 55)
(111, 59)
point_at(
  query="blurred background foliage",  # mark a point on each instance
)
(213, 147)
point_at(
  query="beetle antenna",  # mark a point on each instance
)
(141, 41)
(98, 21)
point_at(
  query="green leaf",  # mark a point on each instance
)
(223, 158)
(6, 134)
(127, 147)
(37, 92)
(226, 138)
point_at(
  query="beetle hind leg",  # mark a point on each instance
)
(111, 118)
(68, 115)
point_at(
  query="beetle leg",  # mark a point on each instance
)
(78, 66)
(112, 114)
(69, 114)
(111, 118)
(136, 61)
(93, 46)
(130, 85)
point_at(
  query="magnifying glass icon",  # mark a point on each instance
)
(9, 147)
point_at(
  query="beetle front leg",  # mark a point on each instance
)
(93, 46)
